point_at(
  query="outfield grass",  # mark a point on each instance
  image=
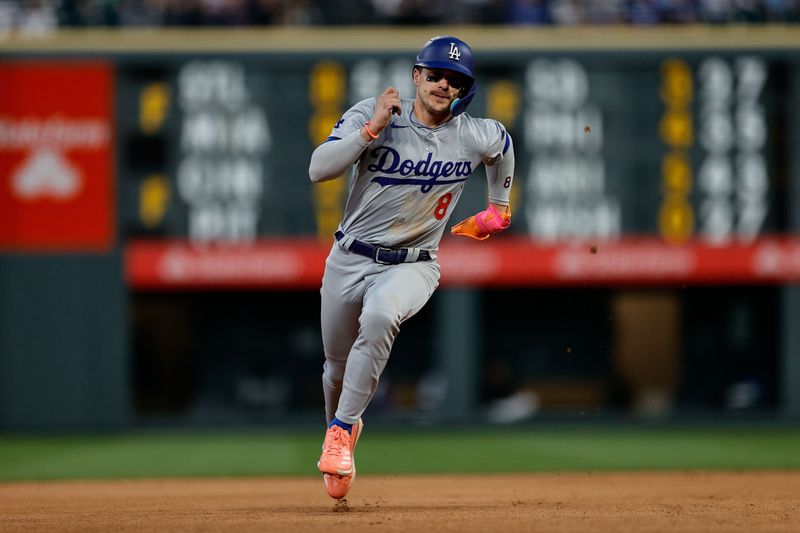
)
(388, 452)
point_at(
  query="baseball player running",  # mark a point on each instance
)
(410, 158)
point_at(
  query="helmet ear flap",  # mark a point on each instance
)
(459, 105)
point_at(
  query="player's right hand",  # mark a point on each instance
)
(387, 103)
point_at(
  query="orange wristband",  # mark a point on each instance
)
(369, 131)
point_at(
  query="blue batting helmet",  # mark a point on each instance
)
(451, 53)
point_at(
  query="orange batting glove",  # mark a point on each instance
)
(481, 225)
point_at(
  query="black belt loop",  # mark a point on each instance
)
(381, 255)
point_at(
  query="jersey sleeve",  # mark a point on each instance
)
(495, 140)
(344, 146)
(353, 119)
(497, 151)
(500, 174)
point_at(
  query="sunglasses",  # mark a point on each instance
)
(456, 81)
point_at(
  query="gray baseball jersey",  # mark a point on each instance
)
(406, 181)
(401, 194)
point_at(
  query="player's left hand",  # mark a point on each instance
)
(481, 225)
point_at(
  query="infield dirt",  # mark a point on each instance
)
(685, 501)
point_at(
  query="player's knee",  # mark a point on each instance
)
(379, 328)
(333, 372)
(379, 320)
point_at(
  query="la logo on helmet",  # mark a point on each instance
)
(454, 53)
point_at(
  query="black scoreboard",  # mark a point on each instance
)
(678, 145)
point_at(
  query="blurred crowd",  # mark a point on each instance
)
(44, 15)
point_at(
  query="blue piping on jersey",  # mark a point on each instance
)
(425, 185)
(331, 138)
(508, 142)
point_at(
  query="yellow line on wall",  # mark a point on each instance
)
(361, 39)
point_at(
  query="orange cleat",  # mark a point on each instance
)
(338, 485)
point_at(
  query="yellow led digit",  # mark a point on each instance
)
(326, 92)
(676, 130)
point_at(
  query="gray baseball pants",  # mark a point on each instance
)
(363, 305)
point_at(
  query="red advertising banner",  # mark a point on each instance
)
(504, 262)
(56, 156)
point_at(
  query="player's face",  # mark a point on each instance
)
(436, 89)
